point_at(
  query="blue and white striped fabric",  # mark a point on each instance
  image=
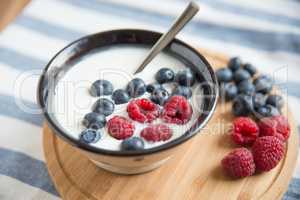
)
(266, 33)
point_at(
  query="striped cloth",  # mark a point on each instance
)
(266, 33)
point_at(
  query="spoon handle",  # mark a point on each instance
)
(166, 38)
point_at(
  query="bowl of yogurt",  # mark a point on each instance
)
(124, 122)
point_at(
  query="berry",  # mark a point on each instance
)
(182, 91)
(90, 136)
(177, 110)
(263, 84)
(235, 63)
(241, 75)
(151, 87)
(94, 120)
(136, 87)
(164, 75)
(259, 100)
(239, 163)
(277, 126)
(104, 106)
(120, 127)
(267, 152)
(242, 105)
(185, 77)
(120, 96)
(132, 144)
(246, 87)
(159, 96)
(224, 75)
(244, 131)
(101, 87)
(155, 133)
(142, 110)
(229, 90)
(250, 68)
(276, 101)
(266, 111)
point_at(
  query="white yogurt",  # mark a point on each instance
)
(117, 64)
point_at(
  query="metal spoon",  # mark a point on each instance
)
(166, 38)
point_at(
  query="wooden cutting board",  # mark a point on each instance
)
(194, 173)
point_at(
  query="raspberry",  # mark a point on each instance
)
(239, 163)
(142, 110)
(155, 133)
(177, 110)
(245, 131)
(275, 126)
(120, 127)
(267, 152)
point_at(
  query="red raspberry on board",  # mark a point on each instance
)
(177, 110)
(155, 133)
(267, 152)
(120, 128)
(142, 110)
(277, 126)
(245, 131)
(239, 163)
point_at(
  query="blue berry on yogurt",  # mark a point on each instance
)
(90, 136)
(101, 87)
(132, 144)
(104, 106)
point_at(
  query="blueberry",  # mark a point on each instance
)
(242, 105)
(266, 111)
(250, 68)
(241, 75)
(90, 136)
(185, 77)
(153, 86)
(229, 90)
(94, 120)
(276, 101)
(136, 87)
(120, 96)
(259, 100)
(101, 87)
(164, 75)
(234, 63)
(246, 87)
(132, 144)
(159, 96)
(182, 91)
(104, 106)
(263, 84)
(224, 75)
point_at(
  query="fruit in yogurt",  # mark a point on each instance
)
(132, 144)
(142, 110)
(165, 75)
(159, 96)
(153, 86)
(182, 91)
(177, 110)
(90, 136)
(120, 96)
(101, 87)
(156, 133)
(120, 128)
(94, 120)
(136, 87)
(104, 106)
(185, 77)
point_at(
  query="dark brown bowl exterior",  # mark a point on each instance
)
(64, 59)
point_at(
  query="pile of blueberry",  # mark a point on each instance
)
(103, 107)
(249, 91)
